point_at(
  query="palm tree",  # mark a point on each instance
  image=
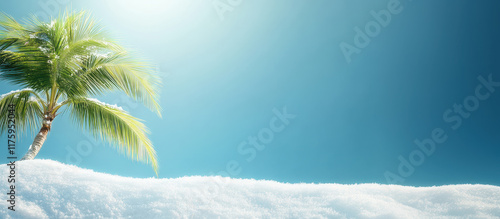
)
(60, 65)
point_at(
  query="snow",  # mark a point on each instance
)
(33, 99)
(14, 91)
(114, 106)
(45, 51)
(49, 189)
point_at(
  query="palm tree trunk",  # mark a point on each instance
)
(39, 140)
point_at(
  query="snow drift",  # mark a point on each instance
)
(49, 189)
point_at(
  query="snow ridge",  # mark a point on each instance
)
(49, 189)
(14, 91)
(114, 106)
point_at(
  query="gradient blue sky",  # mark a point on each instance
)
(223, 78)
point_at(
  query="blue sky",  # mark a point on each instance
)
(229, 71)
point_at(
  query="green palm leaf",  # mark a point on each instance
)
(114, 125)
(28, 110)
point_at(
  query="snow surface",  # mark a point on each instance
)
(49, 189)
(114, 106)
(14, 91)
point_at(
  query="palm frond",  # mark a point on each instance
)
(28, 110)
(24, 59)
(9, 25)
(116, 126)
(133, 77)
(28, 68)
